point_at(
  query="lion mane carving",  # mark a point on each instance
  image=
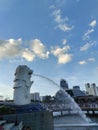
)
(22, 85)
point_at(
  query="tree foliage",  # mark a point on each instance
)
(6, 110)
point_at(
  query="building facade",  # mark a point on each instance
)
(91, 89)
(35, 96)
(64, 84)
(77, 92)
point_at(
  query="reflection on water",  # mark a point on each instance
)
(77, 128)
(59, 126)
(70, 119)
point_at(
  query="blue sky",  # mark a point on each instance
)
(57, 39)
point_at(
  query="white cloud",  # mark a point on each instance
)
(57, 50)
(10, 48)
(64, 27)
(14, 48)
(39, 49)
(91, 59)
(64, 41)
(64, 58)
(62, 55)
(28, 55)
(61, 22)
(93, 23)
(87, 34)
(87, 46)
(82, 62)
(52, 7)
(58, 18)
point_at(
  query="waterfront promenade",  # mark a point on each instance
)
(65, 109)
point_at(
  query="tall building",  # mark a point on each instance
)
(77, 92)
(94, 90)
(35, 96)
(64, 84)
(76, 88)
(87, 85)
(91, 89)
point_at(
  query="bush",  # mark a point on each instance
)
(6, 110)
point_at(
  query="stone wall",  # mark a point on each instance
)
(36, 120)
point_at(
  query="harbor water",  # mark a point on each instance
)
(60, 125)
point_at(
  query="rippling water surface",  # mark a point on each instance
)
(59, 124)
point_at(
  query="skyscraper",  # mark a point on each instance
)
(77, 92)
(35, 96)
(64, 84)
(94, 90)
(91, 89)
(87, 85)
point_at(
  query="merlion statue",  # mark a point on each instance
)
(22, 85)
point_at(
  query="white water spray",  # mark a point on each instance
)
(70, 99)
(44, 77)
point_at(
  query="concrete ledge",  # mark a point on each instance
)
(36, 120)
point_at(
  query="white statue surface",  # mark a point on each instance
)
(22, 85)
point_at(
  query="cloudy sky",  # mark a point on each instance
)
(57, 39)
